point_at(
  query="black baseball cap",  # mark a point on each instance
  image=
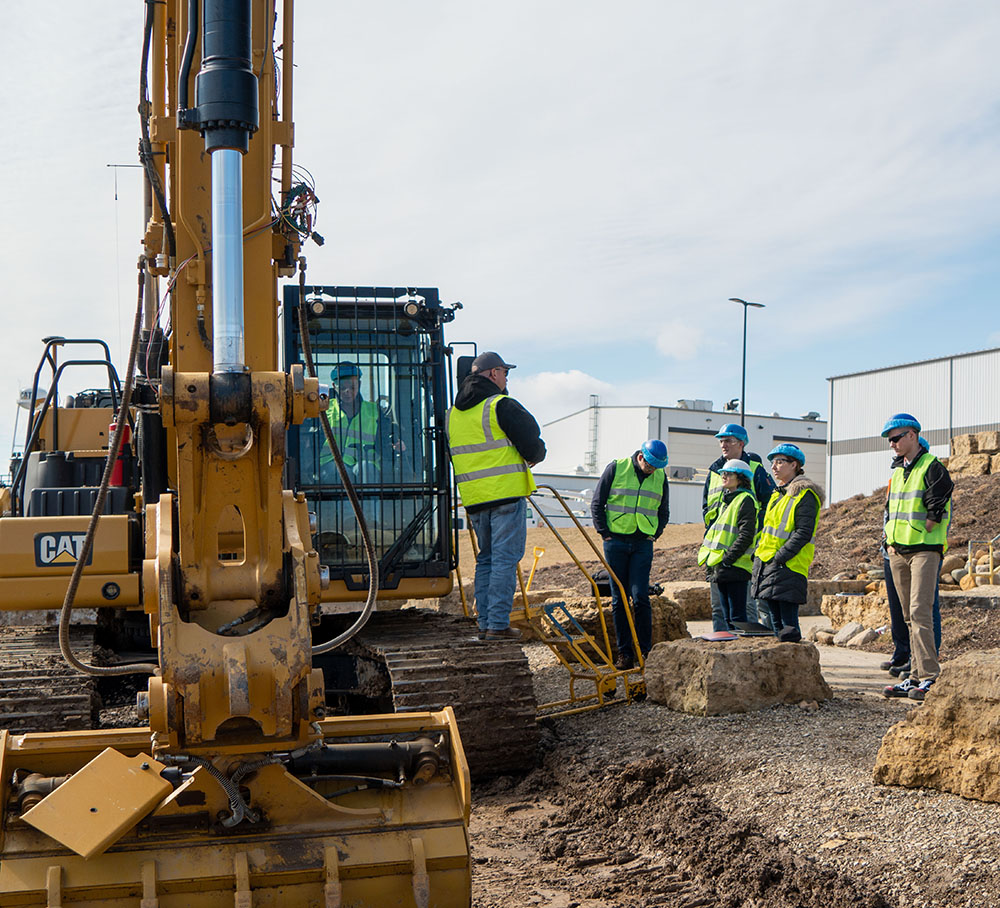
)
(489, 360)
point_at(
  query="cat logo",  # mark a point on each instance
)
(59, 549)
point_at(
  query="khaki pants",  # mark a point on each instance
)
(915, 576)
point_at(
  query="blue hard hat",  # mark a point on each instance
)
(344, 370)
(900, 421)
(731, 430)
(737, 466)
(654, 452)
(788, 450)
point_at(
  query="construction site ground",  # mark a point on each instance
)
(636, 805)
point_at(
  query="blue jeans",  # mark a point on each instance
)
(782, 614)
(755, 608)
(631, 559)
(502, 533)
(733, 603)
(900, 632)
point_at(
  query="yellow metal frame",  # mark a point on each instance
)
(584, 657)
(991, 549)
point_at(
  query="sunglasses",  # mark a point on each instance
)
(894, 439)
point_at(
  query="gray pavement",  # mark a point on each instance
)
(845, 669)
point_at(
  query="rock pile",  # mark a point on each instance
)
(736, 676)
(974, 455)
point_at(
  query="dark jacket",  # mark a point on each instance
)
(746, 531)
(771, 579)
(936, 497)
(763, 485)
(517, 423)
(599, 503)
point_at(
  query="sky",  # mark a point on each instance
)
(592, 180)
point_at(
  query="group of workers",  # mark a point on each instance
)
(759, 532)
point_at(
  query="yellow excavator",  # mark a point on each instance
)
(241, 789)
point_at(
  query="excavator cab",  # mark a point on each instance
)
(382, 351)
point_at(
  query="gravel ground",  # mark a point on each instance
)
(635, 805)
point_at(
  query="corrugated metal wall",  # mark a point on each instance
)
(950, 396)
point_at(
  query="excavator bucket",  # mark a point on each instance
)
(375, 817)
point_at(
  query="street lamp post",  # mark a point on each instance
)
(743, 387)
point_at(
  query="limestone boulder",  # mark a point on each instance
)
(952, 563)
(962, 445)
(968, 582)
(863, 638)
(735, 676)
(820, 588)
(950, 743)
(824, 638)
(995, 463)
(969, 465)
(988, 442)
(870, 610)
(848, 631)
(693, 596)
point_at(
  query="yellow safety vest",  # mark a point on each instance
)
(723, 532)
(487, 465)
(715, 490)
(779, 522)
(356, 435)
(633, 505)
(907, 511)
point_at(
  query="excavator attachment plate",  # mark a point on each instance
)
(100, 802)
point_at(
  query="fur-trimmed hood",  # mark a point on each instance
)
(800, 484)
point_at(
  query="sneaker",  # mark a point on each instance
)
(900, 690)
(898, 671)
(624, 663)
(508, 633)
(918, 692)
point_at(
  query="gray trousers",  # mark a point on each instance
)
(915, 577)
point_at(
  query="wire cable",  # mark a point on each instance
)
(352, 495)
(114, 449)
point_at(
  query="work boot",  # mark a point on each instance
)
(508, 633)
(889, 665)
(897, 671)
(624, 662)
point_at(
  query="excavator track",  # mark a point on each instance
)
(38, 690)
(437, 660)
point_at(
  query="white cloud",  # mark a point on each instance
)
(550, 395)
(680, 340)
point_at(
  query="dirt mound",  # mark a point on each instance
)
(648, 838)
(849, 534)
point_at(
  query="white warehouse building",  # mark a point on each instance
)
(951, 395)
(581, 444)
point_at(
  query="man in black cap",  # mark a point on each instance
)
(494, 443)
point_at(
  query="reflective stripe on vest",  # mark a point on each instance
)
(715, 490)
(632, 505)
(356, 435)
(779, 523)
(723, 532)
(907, 511)
(487, 465)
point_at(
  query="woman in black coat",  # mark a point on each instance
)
(785, 548)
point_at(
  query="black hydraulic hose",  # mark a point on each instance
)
(189, 45)
(352, 495)
(114, 448)
(145, 145)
